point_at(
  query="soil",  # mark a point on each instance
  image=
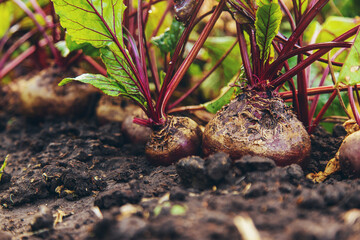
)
(77, 179)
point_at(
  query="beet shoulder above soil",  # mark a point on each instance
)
(81, 180)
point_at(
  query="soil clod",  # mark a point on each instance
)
(254, 163)
(116, 197)
(43, 220)
(192, 172)
(217, 166)
(72, 166)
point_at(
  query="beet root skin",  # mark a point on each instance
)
(39, 96)
(256, 124)
(178, 138)
(349, 155)
(137, 134)
(183, 9)
(114, 109)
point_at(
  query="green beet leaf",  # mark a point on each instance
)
(64, 50)
(119, 70)
(6, 13)
(215, 105)
(215, 48)
(108, 85)
(302, 5)
(167, 41)
(2, 169)
(96, 22)
(227, 93)
(261, 3)
(87, 48)
(334, 26)
(105, 84)
(99, 23)
(350, 71)
(267, 23)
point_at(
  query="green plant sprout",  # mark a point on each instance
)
(2, 169)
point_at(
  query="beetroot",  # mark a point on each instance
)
(349, 155)
(110, 109)
(183, 9)
(137, 134)
(178, 138)
(39, 95)
(257, 124)
(346, 158)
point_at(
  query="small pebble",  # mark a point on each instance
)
(116, 197)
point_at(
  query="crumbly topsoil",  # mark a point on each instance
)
(98, 186)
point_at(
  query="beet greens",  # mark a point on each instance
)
(38, 37)
(125, 53)
(2, 168)
(260, 22)
(31, 30)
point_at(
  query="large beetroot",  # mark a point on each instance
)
(258, 121)
(257, 124)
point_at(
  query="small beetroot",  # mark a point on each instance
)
(349, 155)
(136, 133)
(178, 138)
(110, 109)
(183, 9)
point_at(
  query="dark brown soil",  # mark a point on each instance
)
(101, 187)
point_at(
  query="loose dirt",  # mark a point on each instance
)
(77, 179)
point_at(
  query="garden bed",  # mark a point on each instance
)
(101, 187)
